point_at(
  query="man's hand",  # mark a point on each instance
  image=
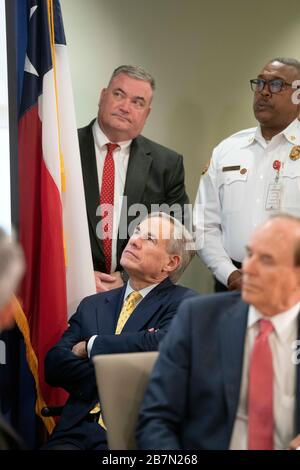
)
(235, 280)
(295, 443)
(105, 282)
(79, 349)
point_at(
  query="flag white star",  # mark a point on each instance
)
(28, 67)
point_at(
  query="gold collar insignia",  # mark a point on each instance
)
(295, 153)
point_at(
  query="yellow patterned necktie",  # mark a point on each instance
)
(127, 309)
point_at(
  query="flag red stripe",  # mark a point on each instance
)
(41, 235)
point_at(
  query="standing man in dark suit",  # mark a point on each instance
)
(228, 374)
(129, 319)
(124, 170)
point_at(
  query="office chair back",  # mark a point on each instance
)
(122, 380)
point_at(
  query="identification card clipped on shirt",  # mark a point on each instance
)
(273, 197)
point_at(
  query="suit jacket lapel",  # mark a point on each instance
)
(90, 178)
(137, 172)
(9, 440)
(108, 310)
(298, 385)
(136, 178)
(232, 337)
(147, 308)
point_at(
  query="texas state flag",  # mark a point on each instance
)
(52, 216)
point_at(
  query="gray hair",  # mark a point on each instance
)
(134, 71)
(11, 267)
(181, 243)
(288, 61)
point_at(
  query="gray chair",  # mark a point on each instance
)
(122, 380)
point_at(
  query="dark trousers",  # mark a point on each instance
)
(219, 287)
(86, 435)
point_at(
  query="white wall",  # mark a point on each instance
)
(202, 55)
(4, 134)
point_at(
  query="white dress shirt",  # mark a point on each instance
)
(121, 157)
(128, 291)
(231, 204)
(282, 344)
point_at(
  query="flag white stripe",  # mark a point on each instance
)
(79, 270)
(80, 275)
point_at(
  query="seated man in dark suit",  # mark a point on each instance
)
(11, 270)
(125, 170)
(128, 319)
(228, 372)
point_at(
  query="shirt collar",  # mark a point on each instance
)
(101, 139)
(143, 291)
(283, 322)
(258, 137)
(250, 138)
(291, 134)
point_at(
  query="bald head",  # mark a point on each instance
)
(271, 268)
(288, 227)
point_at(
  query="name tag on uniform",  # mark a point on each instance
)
(273, 197)
(231, 168)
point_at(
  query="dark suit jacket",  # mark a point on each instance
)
(8, 438)
(155, 175)
(98, 315)
(193, 396)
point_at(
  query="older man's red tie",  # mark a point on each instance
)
(260, 392)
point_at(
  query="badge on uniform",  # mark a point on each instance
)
(295, 153)
(231, 168)
(273, 197)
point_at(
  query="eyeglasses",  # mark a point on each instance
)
(276, 85)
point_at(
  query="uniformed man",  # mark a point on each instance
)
(252, 174)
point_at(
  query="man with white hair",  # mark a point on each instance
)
(228, 373)
(11, 270)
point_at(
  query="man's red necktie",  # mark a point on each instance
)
(260, 392)
(107, 198)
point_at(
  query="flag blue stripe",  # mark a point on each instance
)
(21, 21)
(17, 386)
(38, 54)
